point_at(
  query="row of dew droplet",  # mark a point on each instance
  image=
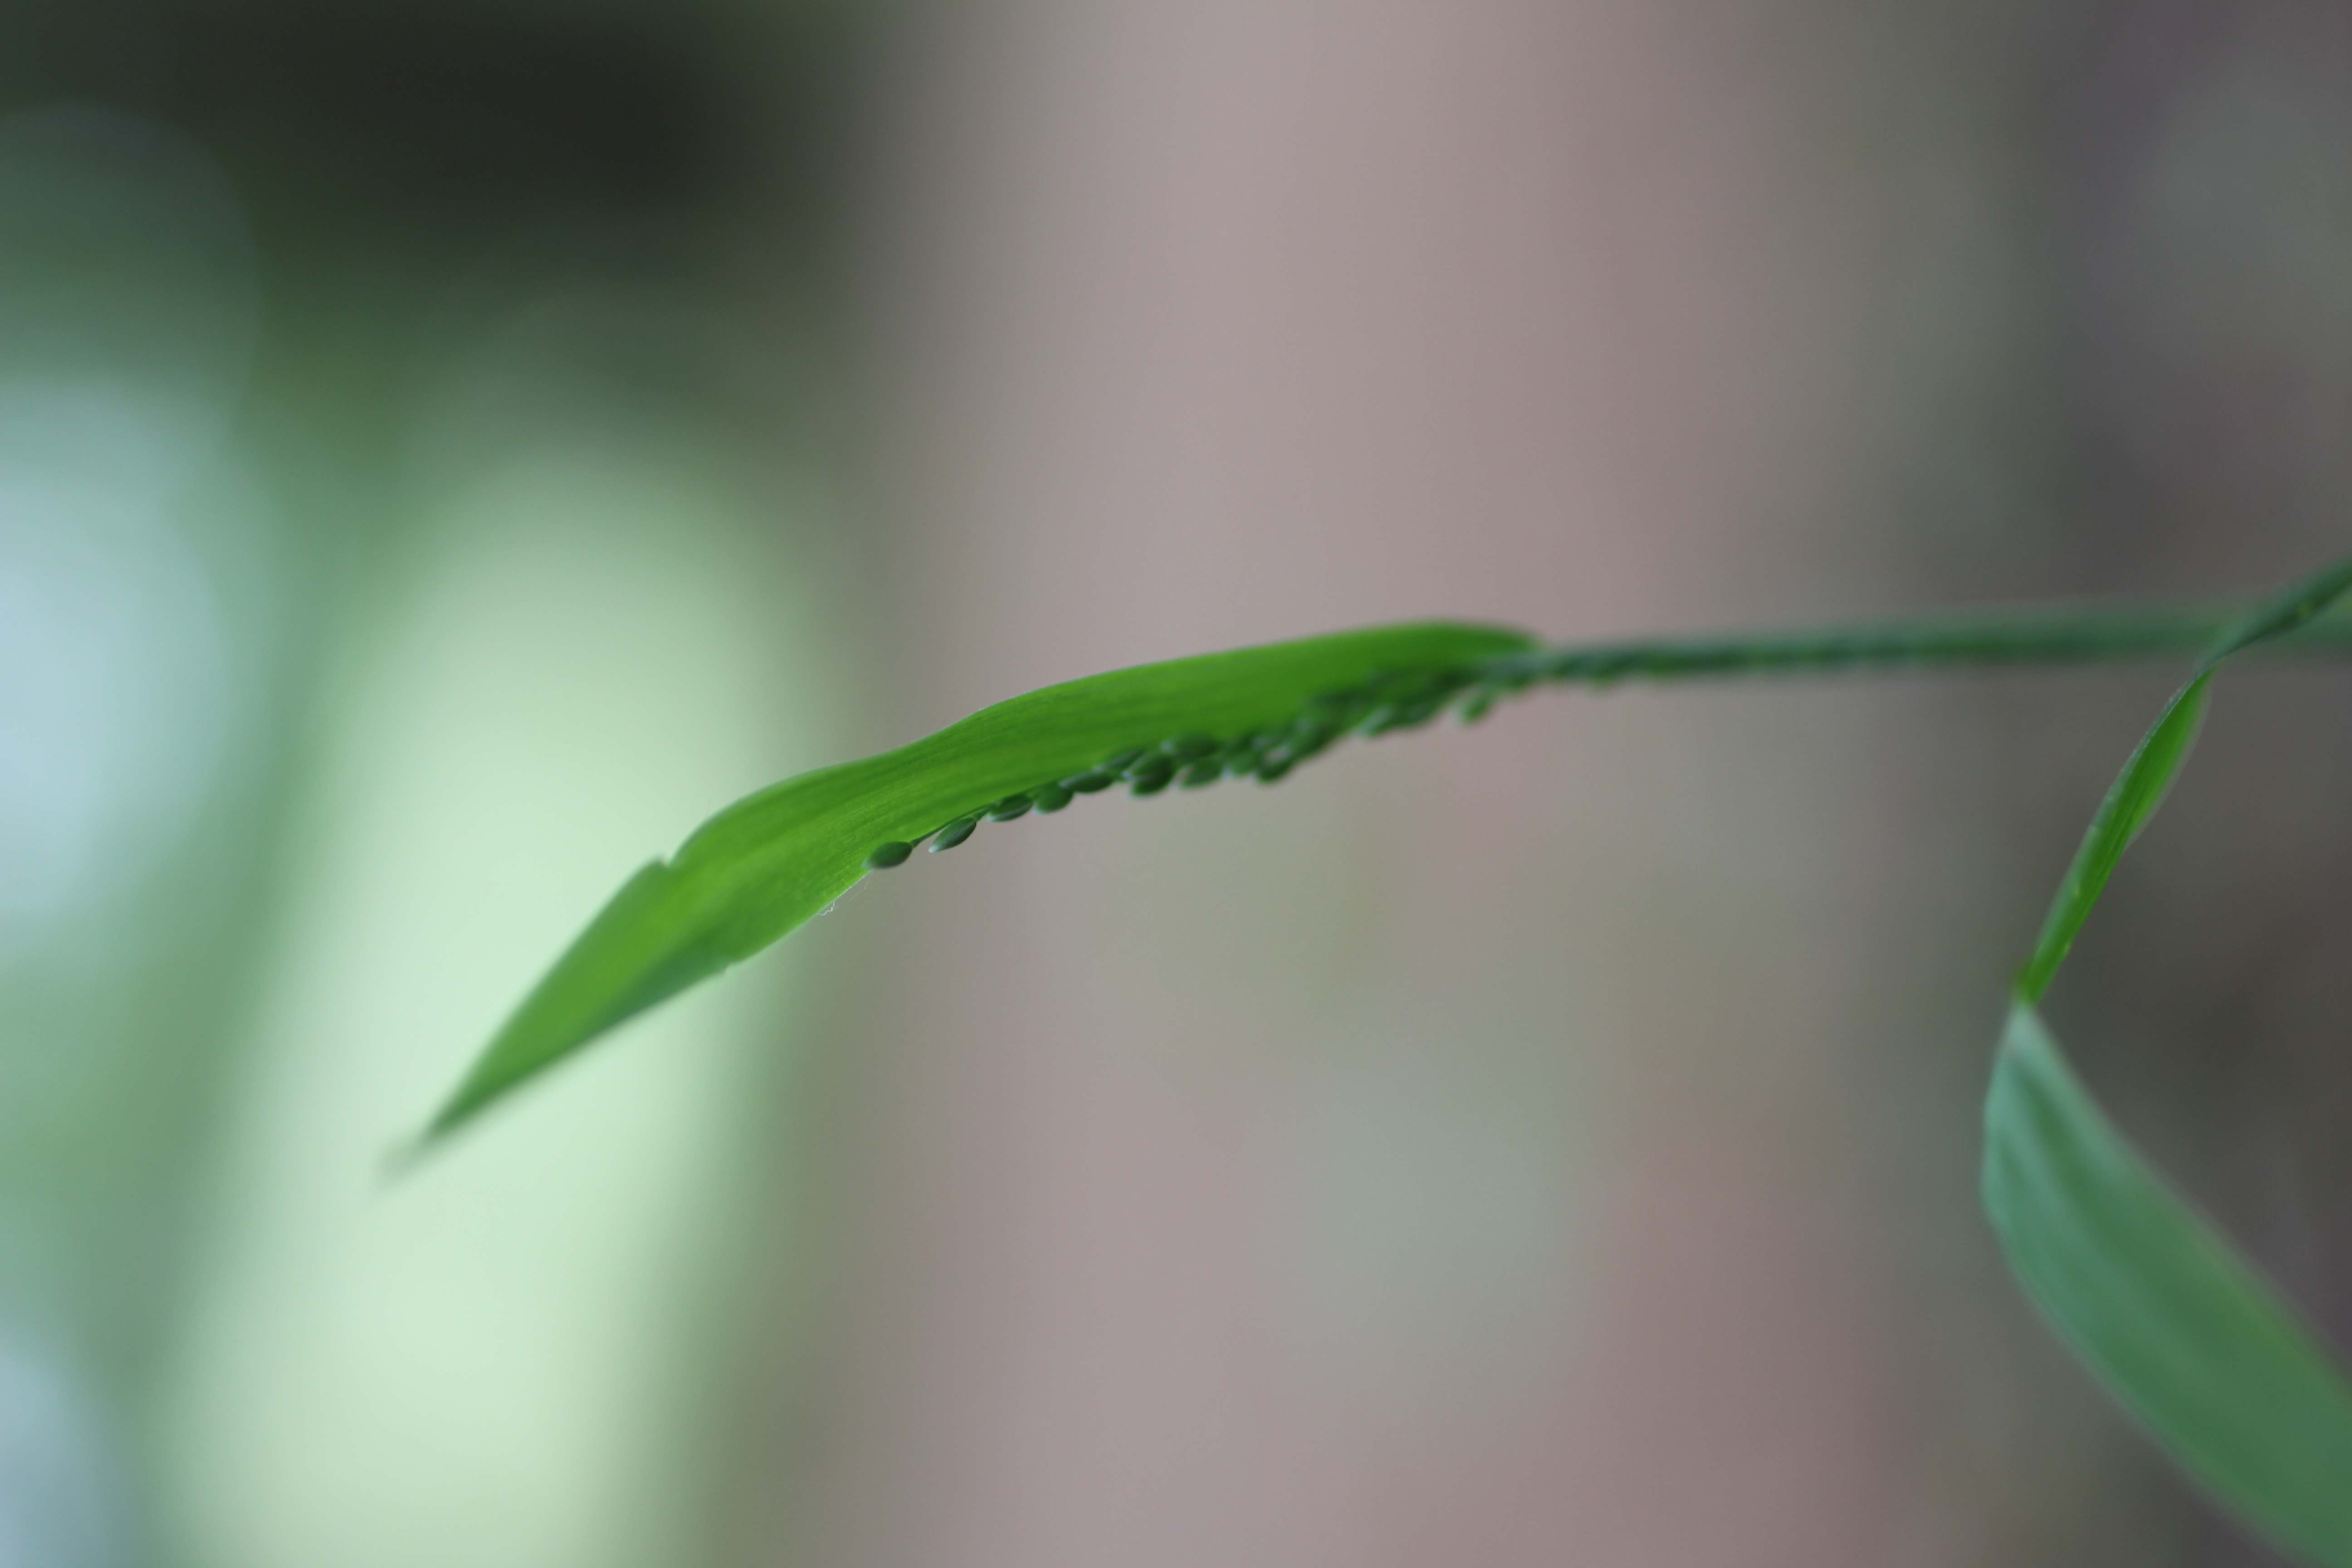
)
(1386, 701)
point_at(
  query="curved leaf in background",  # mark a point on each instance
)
(2181, 1330)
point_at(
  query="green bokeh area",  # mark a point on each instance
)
(309, 318)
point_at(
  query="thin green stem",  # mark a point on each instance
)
(2030, 635)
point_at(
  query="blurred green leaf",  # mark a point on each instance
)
(2179, 1328)
(2130, 801)
(773, 859)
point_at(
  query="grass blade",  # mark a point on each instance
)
(2179, 1328)
(773, 859)
(2130, 801)
(766, 864)
(2154, 763)
(2182, 1331)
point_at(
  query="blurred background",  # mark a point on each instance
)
(446, 451)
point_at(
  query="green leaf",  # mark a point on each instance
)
(2180, 1328)
(766, 864)
(773, 859)
(2148, 773)
(2130, 801)
(2149, 1297)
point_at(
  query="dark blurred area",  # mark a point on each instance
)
(445, 452)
